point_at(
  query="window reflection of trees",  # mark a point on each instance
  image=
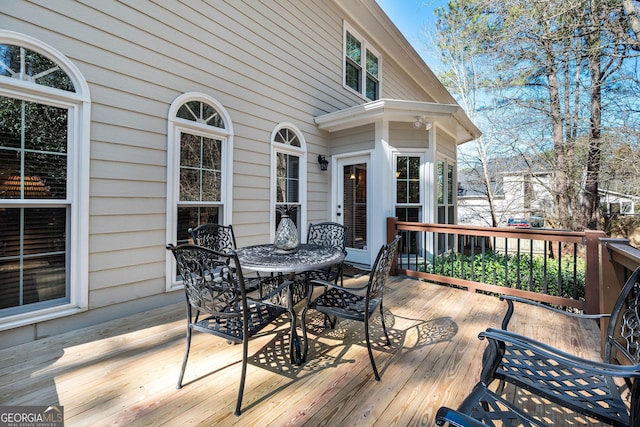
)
(200, 168)
(33, 165)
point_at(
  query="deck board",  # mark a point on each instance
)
(124, 372)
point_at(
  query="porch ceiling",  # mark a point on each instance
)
(450, 116)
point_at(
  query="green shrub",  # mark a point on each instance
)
(515, 271)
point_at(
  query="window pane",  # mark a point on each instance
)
(352, 76)
(33, 146)
(414, 192)
(355, 204)
(372, 89)
(372, 64)
(210, 186)
(402, 189)
(211, 154)
(45, 128)
(414, 168)
(37, 68)
(200, 168)
(287, 178)
(191, 217)
(288, 137)
(32, 255)
(189, 185)
(200, 112)
(189, 150)
(408, 179)
(353, 48)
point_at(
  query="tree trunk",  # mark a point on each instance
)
(555, 111)
(590, 195)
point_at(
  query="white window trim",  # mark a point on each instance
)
(175, 127)
(448, 161)
(366, 46)
(78, 104)
(423, 181)
(277, 147)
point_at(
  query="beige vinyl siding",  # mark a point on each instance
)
(403, 135)
(397, 86)
(265, 62)
(356, 139)
(446, 145)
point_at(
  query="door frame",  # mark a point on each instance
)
(356, 256)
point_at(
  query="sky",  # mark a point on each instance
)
(412, 17)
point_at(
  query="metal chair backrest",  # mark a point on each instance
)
(382, 268)
(212, 281)
(218, 237)
(329, 234)
(624, 325)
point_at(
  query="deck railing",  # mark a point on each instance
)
(551, 266)
(459, 256)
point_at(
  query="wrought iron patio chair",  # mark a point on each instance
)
(221, 238)
(218, 237)
(218, 304)
(333, 235)
(591, 388)
(357, 303)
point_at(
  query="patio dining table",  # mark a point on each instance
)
(285, 265)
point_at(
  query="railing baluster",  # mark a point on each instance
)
(575, 271)
(506, 262)
(445, 252)
(518, 261)
(559, 268)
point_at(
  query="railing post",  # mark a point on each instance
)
(391, 234)
(612, 279)
(592, 274)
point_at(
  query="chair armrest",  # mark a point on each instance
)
(538, 350)
(510, 309)
(455, 418)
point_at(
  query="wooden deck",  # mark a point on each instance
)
(124, 372)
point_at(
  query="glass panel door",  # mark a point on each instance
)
(353, 207)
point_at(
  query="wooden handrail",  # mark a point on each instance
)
(588, 239)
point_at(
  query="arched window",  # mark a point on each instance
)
(199, 168)
(288, 154)
(44, 159)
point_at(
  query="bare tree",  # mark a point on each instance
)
(554, 62)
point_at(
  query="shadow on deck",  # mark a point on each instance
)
(124, 372)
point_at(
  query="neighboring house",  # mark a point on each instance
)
(517, 194)
(522, 194)
(125, 123)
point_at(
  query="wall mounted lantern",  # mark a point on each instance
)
(323, 162)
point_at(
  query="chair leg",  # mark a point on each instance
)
(373, 362)
(384, 327)
(184, 359)
(243, 375)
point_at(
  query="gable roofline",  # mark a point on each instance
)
(367, 15)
